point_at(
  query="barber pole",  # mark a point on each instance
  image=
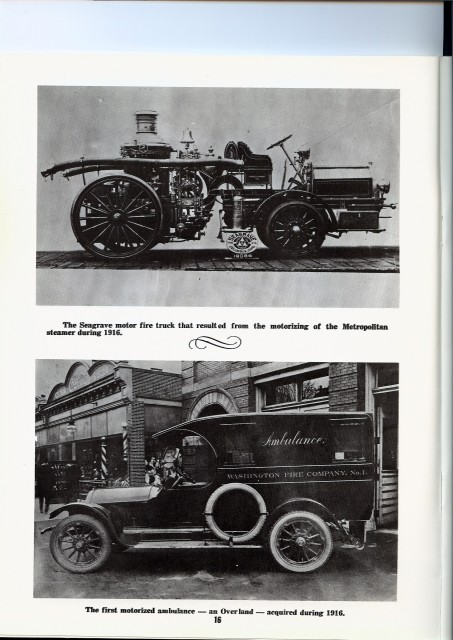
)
(104, 472)
(125, 444)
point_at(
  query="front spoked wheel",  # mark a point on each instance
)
(117, 217)
(295, 229)
(300, 541)
(80, 544)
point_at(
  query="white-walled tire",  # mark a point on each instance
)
(300, 541)
(224, 535)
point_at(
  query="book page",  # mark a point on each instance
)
(334, 396)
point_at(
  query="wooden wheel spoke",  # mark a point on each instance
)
(145, 215)
(304, 553)
(109, 205)
(100, 234)
(146, 204)
(94, 226)
(91, 554)
(126, 186)
(126, 209)
(117, 195)
(93, 218)
(137, 234)
(143, 226)
(129, 242)
(92, 208)
(315, 535)
(112, 227)
(67, 533)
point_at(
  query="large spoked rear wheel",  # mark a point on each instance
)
(117, 217)
(300, 541)
(295, 229)
(80, 544)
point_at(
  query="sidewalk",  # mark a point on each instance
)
(44, 517)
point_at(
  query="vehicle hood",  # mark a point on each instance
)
(120, 494)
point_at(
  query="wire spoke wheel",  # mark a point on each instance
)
(117, 217)
(80, 544)
(300, 541)
(294, 228)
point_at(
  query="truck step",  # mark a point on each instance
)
(190, 544)
(181, 533)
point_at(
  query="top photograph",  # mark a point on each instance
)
(243, 180)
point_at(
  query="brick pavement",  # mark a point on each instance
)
(328, 259)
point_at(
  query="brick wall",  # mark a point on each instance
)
(346, 386)
(241, 390)
(146, 384)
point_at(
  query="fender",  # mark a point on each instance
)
(325, 211)
(95, 510)
(310, 505)
(217, 182)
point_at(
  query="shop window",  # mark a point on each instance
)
(88, 457)
(299, 388)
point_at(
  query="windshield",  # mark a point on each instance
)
(181, 457)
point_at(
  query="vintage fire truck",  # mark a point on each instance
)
(153, 194)
(293, 484)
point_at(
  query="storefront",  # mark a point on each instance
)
(99, 417)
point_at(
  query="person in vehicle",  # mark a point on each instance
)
(171, 466)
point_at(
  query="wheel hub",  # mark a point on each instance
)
(300, 541)
(117, 216)
(296, 229)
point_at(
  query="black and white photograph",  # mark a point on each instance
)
(216, 480)
(217, 188)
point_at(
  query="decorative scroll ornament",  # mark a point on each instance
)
(203, 341)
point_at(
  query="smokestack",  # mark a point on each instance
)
(148, 143)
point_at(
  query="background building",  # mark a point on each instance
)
(105, 405)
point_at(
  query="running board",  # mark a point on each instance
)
(190, 544)
(154, 531)
(148, 534)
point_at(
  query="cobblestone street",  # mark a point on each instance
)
(328, 259)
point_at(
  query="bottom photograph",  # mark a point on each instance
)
(216, 480)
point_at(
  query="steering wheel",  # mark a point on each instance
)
(184, 476)
(276, 144)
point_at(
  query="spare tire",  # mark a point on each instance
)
(224, 535)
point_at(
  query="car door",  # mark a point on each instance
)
(187, 483)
